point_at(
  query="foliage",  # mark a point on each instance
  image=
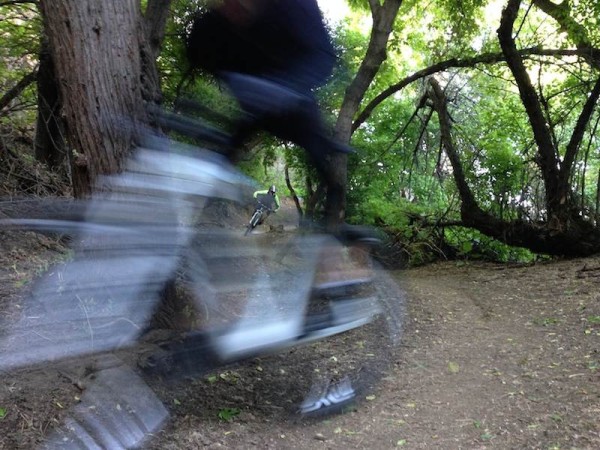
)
(470, 244)
(20, 35)
(227, 414)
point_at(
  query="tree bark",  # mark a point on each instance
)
(96, 50)
(151, 39)
(156, 15)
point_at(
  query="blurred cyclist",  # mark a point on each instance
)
(271, 54)
(269, 199)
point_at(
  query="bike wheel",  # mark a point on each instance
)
(253, 222)
(348, 366)
(309, 378)
(328, 376)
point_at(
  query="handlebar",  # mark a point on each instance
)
(263, 206)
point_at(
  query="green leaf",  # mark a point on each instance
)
(487, 436)
(453, 367)
(227, 414)
(556, 417)
(3, 413)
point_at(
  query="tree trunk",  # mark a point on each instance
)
(151, 39)
(547, 159)
(288, 183)
(580, 238)
(384, 16)
(50, 146)
(156, 15)
(561, 210)
(468, 203)
(96, 50)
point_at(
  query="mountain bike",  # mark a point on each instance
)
(258, 216)
(315, 302)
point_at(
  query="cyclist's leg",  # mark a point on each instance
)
(261, 100)
(304, 127)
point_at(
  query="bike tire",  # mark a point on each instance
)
(341, 369)
(338, 372)
(253, 222)
(348, 367)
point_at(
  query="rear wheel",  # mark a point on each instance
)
(348, 366)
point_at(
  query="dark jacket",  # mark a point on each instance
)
(267, 198)
(287, 42)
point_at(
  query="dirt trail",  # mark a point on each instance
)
(492, 358)
(501, 358)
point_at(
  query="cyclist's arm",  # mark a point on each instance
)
(276, 202)
(257, 193)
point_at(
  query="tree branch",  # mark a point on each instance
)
(561, 13)
(440, 105)
(578, 132)
(16, 90)
(17, 2)
(486, 58)
(375, 6)
(547, 152)
(383, 21)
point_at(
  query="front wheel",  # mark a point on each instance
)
(253, 222)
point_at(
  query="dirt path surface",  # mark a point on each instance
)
(492, 357)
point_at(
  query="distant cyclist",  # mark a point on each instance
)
(269, 200)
